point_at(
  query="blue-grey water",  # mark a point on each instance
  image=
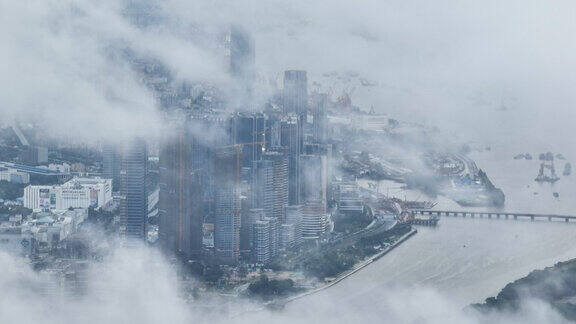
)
(468, 260)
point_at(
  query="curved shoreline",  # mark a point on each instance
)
(347, 273)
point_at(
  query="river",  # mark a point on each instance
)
(468, 260)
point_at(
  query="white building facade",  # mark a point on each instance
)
(76, 193)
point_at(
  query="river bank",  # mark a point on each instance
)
(281, 303)
(464, 260)
(349, 273)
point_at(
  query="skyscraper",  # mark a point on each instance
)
(314, 187)
(273, 132)
(261, 241)
(252, 216)
(242, 53)
(295, 103)
(262, 186)
(314, 220)
(111, 164)
(287, 236)
(320, 119)
(273, 236)
(227, 205)
(291, 139)
(294, 218)
(241, 64)
(133, 188)
(295, 94)
(314, 178)
(181, 199)
(247, 129)
(279, 191)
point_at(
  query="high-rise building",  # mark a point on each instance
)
(134, 205)
(261, 241)
(245, 229)
(252, 216)
(295, 94)
(181, 199)
(227, 214)
(279, 192)
(295, 102)
(241, 54)
(111, 164)
(314, 220)
(291, 139)
(287, 236)
(274, 236)
(262, 186)
(294, 217)
(320, 117)
(314, 177)
(247, 130)
(265, 243)
(273, 132)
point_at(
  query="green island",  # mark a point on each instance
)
(555, 286)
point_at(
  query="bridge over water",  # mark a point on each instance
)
(505, 215)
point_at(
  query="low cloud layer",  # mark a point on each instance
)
(139, 286)
(450, 64)
(66, 67)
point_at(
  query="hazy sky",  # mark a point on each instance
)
(448, 63)
(451, 64)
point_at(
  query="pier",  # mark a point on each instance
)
(504, 215)
(432, 221)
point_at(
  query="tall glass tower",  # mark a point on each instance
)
(133, 189)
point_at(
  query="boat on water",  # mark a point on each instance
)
(547, 177)
(567, 169)
(526, 156)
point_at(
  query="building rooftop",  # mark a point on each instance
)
(30, 169)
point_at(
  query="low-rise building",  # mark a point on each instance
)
(56, 173)
(76, 193)
(62, 168)
(40, 232)
(14, 176)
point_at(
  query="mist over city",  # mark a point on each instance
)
(278, 161)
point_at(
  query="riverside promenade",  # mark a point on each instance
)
(281, 303)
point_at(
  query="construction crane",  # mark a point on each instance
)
(238, 159)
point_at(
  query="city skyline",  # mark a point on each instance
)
(287, 161)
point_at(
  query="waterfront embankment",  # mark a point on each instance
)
(347, 273)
